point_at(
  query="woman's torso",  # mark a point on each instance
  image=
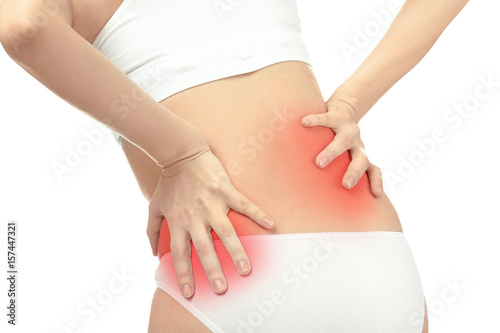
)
(252, 124)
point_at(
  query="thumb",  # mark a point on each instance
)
(317, 119)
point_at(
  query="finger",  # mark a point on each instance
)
(357, 167)
(330, 119)
(229, 238)
(153, 229)
(204, 245)
(317, 119)
(375, 177)
(180, 247)
(238, 202)
(341, 143)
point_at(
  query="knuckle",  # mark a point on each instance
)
(258, 214)
(363, 158)
(151, 230)
(356, 131)
(366, 163)
(238, 253)
(212, 188)
(186, 215)
(172, 215)
(375, 168)
(179, 254)
(203, 248)
(200, 201)
(183, 276)
(355, 171)
(212, 271)
(224, 231)
(243, 205)
(323, 118)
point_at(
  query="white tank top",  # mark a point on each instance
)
(166, 46)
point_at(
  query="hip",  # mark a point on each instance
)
(347, 273)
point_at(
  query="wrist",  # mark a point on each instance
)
(353, 105)
(189, 145)
(175, 167)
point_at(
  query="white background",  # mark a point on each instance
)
(74, 233)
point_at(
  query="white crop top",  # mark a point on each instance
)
(166, 46)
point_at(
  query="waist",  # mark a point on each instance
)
(252, 123)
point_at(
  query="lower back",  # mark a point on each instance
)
(252, 122)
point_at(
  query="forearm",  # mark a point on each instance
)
(69, 66)
(410, 36)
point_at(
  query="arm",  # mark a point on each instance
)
(194, 192)
(57, 56)
(411, 35)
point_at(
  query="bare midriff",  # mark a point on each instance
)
(252, 123)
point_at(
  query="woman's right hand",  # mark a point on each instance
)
(194, 195)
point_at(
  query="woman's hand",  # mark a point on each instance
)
(195, 195)
(341, 118)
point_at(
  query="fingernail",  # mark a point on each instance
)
(242, 266)
(268, 222)
(350, 182)
(380, 190)
(306, 121)
(218, 285)
(187, 290)
(323, 161)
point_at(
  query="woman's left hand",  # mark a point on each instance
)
(341, 118)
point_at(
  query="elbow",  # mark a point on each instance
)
(22, 23)
(17, 35)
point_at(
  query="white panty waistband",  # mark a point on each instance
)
(316, 282)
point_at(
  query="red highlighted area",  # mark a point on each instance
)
(258, 253)
(282, 178)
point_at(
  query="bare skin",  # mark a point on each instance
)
(166, 314)
(235, 118)
(275, 84)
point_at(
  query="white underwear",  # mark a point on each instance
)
(309, 282)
